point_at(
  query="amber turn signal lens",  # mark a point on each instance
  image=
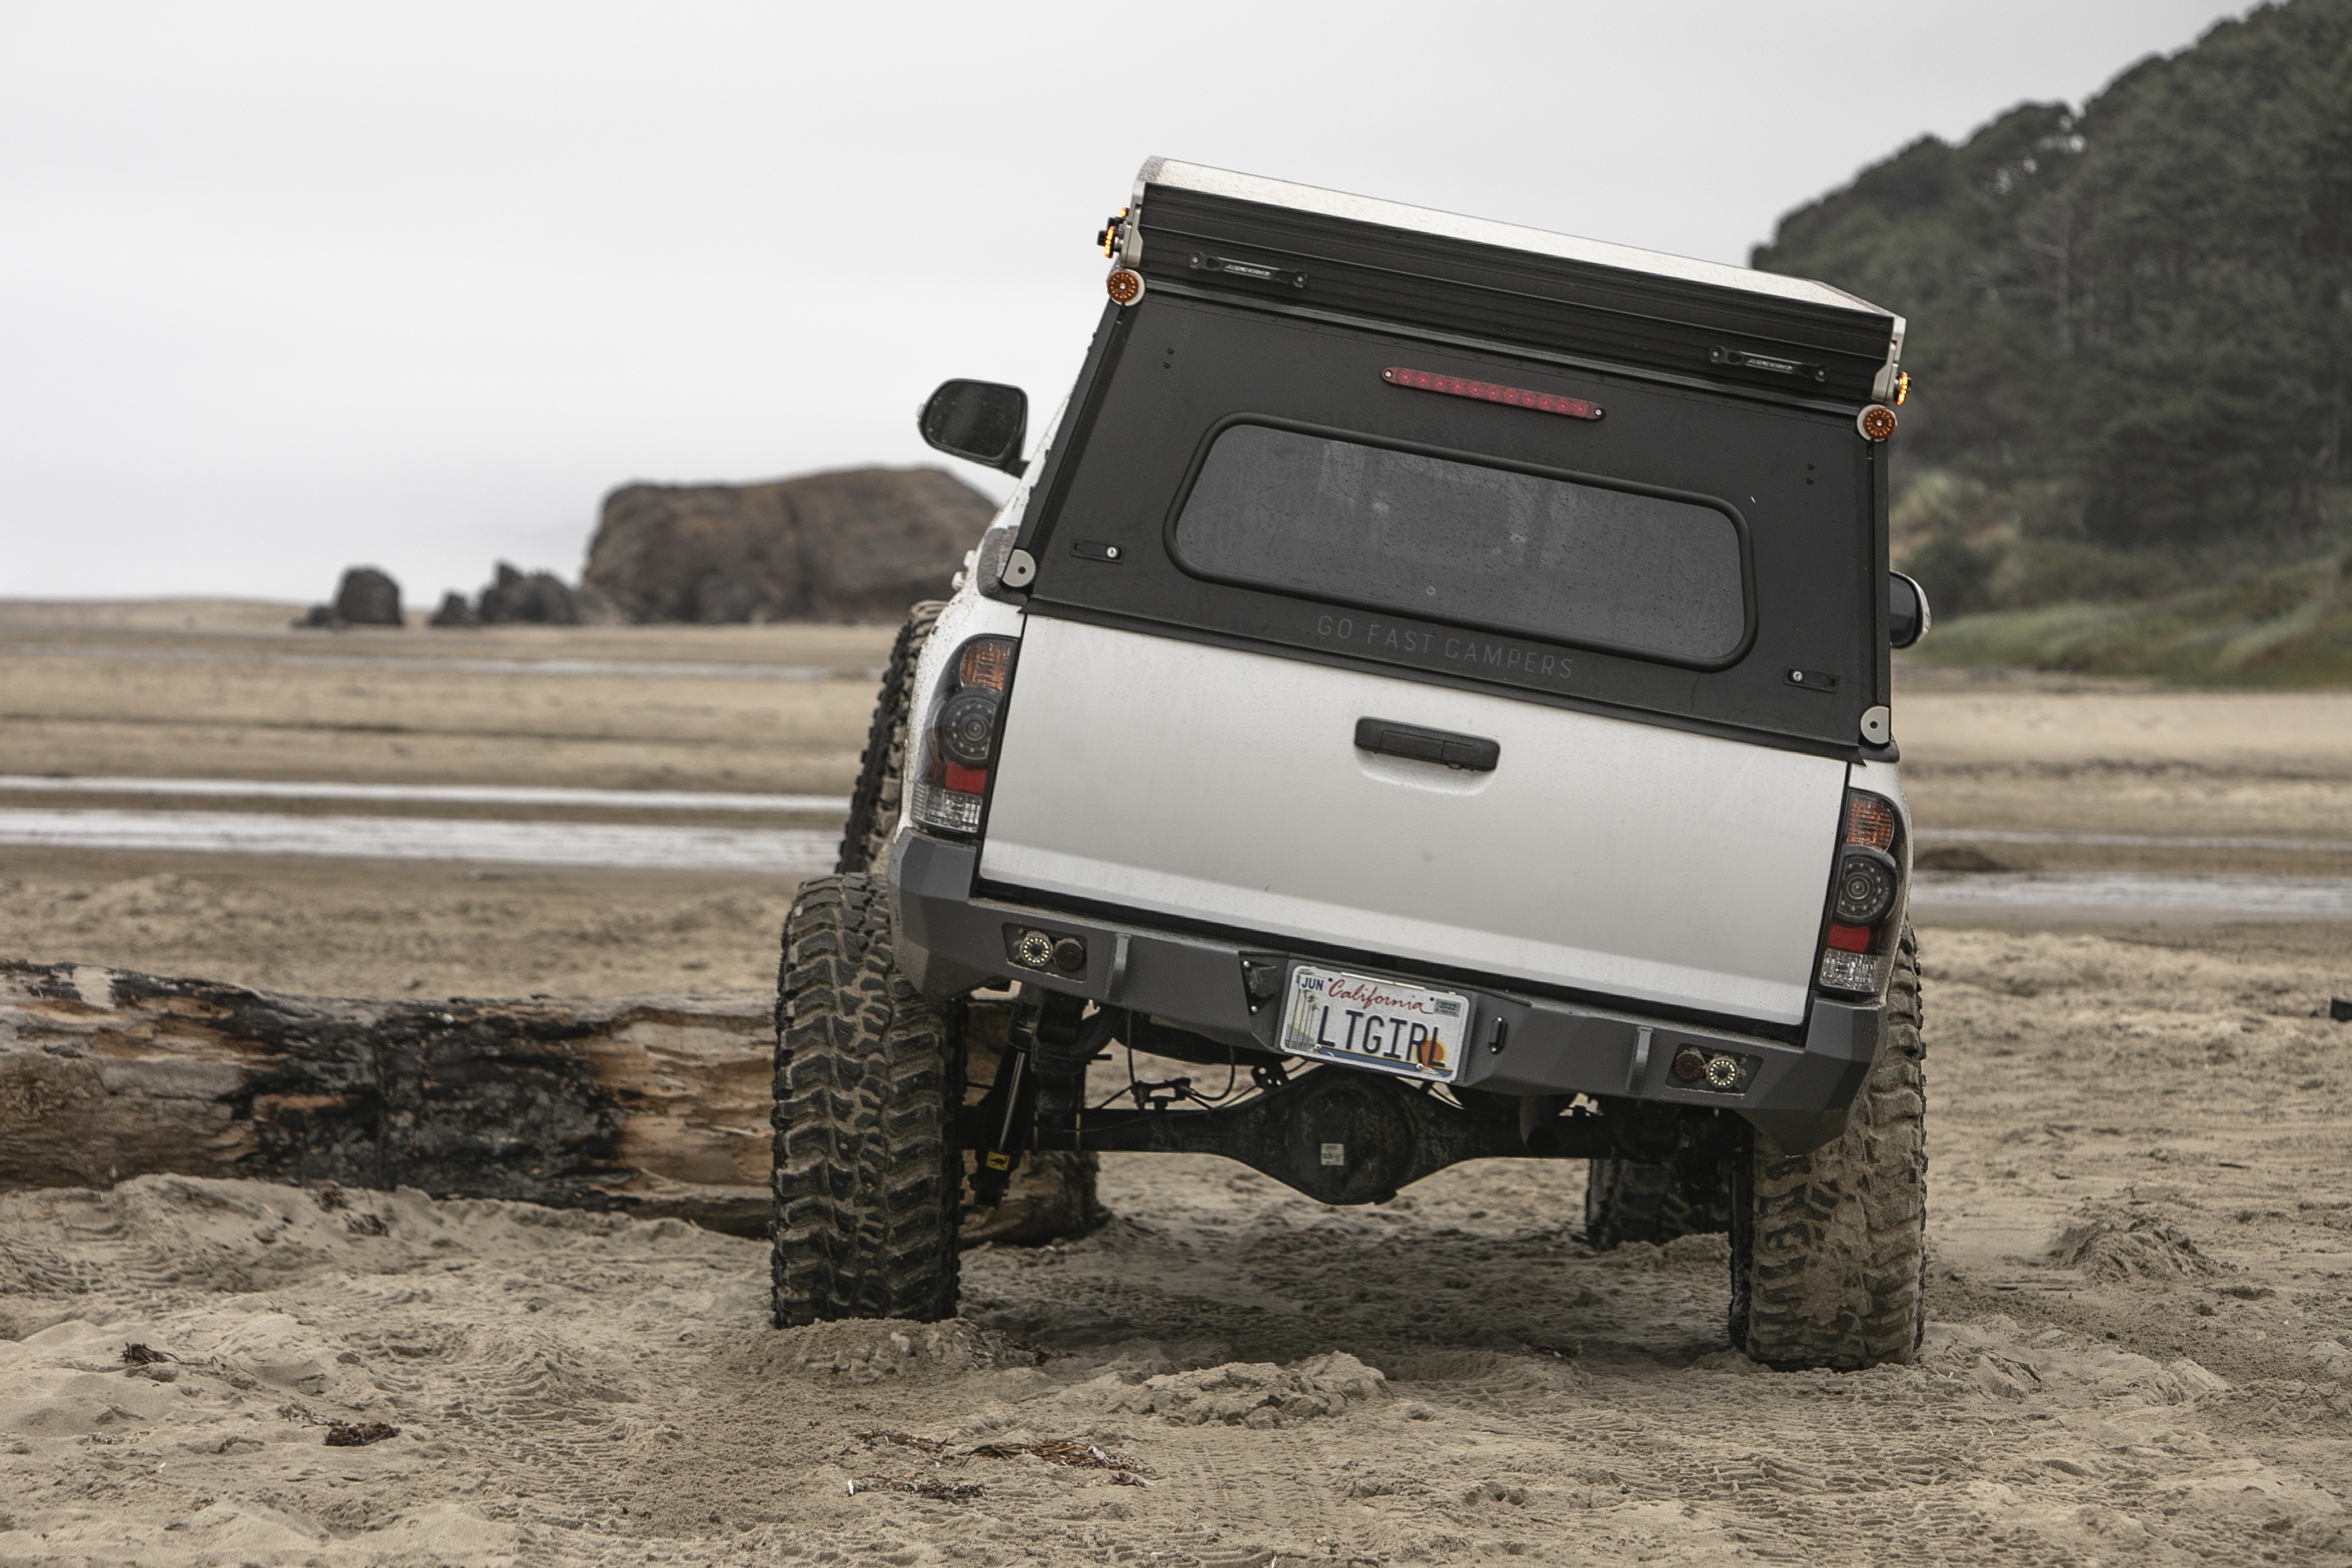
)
(1875, 422)
(985, 664)
(1125, 286)
(1869, 821)
(1902, 387)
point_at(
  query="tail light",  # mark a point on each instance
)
(958, 747)
(1860, 947)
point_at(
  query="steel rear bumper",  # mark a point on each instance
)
(950, 940)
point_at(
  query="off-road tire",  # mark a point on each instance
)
(875, 804)
(1829, 1251)
(1625, 1201)
(868, 1181)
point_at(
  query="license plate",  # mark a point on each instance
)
(1336, 1016)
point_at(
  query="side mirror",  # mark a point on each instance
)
(981, 421)
(1907, 616)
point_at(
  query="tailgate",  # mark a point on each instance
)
(1211, 784)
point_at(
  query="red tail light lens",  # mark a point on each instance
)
(958, 746)
(1858, 950)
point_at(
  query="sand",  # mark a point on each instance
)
(1449, 1378)
(2140, 1301)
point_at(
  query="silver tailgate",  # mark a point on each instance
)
(1222, 786)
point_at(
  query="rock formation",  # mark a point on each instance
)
(859, 544)
(365, 597)
(540, 598)
(454, 612)
(514, 597)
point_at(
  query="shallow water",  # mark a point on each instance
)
(658, 669)
(465, 795)
(2124, 894)
(2127, 840)
(627, 845)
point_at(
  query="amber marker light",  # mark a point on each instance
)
(1108, 237)
(1902, 387)
(1125, 286)
(1876, 422)
(1869, 821)
(985, 663)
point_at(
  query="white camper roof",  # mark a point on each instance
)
(1486, 231)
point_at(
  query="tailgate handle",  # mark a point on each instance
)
(1390, 738)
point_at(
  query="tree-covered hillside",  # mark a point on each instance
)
(2130, 325)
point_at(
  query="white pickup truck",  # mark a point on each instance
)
(1438, 671)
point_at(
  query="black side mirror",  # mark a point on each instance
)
(1908, 615)
(981, 421)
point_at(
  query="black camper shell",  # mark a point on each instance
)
(1699, 422)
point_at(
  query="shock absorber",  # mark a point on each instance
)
(1039, 1081)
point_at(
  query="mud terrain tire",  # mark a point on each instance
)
(875, 804)
(1625, 1201)
(867, 1183)
(1829, 1249)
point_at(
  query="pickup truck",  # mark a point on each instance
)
(1435, 671)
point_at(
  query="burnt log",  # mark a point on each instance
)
(656, 1106)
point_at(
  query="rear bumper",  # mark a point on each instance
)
(950, 940)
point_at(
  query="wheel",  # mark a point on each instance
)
(867, 1180)
(1829, 1251)
(874, 806)
(1625, 1201)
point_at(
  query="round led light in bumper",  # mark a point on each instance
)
(1865, 886)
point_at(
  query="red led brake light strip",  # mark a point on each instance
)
(1487, 392)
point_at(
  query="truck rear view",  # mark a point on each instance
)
(1437, 669)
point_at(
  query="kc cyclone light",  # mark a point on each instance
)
(1725, 1072)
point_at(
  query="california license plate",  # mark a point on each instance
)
(1336, 1016)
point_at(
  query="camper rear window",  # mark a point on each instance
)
(1566, 559)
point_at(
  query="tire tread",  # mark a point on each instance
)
(1834, 1272)
(880, 795)
(866, 1183)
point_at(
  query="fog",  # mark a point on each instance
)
(289, 286)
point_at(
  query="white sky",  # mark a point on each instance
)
(287, 286)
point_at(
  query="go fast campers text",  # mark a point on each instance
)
(1444, 650)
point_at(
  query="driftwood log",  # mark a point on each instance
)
(657, 1106)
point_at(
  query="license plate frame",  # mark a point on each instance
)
(1316, 1023)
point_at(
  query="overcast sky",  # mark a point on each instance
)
(289, 286)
